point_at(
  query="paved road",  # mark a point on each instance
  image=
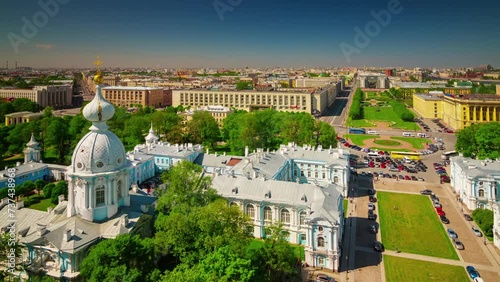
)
(336, 114)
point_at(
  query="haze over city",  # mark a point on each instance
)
(253, 33)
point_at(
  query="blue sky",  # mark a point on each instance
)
(254, 33)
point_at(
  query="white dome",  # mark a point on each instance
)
(98, 151)
(99, 109)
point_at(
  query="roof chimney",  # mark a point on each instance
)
(246, 151)
(67, 235)
(41, 228)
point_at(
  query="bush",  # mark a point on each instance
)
(61, 188)
(47, 190)
(357, 99)
(401, 110)
(484, 218)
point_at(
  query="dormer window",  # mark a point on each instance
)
(304, 198)
(235, 190)
(268, 195)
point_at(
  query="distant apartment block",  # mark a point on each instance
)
(130, 96)
(291, 100)
(218, 112)
(21, 117)
(373, 80)
(57, 96)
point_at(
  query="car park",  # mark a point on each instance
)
(371, 215)
(379, 247)
(444, 219)
(451, 233)
(476, 231)
(467, 217)
(472, 272)
(458, 244)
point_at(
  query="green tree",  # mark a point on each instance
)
(47, 190)
(326, 135)
(479, 141)
(57, 136)
(203, 129)
(125, 258)
(243, 85)
(39, 184)
(484, 218)
(276, 260)
(61, 188)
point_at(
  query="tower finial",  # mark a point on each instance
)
(98, 77)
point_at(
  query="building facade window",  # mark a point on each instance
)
(250, 211)
(480, 192)
(99, 195)
(285, 216)
(119, 189)
(321, 261)
(321, 242)
(335, 179)
(268, 214)
(302, 218)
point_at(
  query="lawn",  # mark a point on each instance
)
(345, 206)
(417, 143)
(388, 115)
(359, 123)
(387, 142)
(413, 227)
(359, 139)
(41, 204)
(257, 244)
(402, 269)
(390, 149)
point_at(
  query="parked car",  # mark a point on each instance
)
(323, 278)
(452, 233)
(371, 206)
(445, 179)
(372, 199)
(407, 177)
(440, 213)
(379, 247)
(472, 272)
(426, 192)
(421, 178)
(371, 191)
(467, 217)
(414, 178)
(437, 205)
(373, 229)
(476, 231)
(458, 244)
(444, 219)
(371, 215)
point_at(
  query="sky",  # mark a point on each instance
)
(253, 33)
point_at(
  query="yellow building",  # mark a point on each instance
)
(458, 90)
(428, 105)
(290, 100)
(21, 117)
(458, 111)
(130, 96)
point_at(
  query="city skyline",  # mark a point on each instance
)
(238, 33)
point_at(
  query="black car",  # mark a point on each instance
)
(373, 229)
(379, 247)
(371, 215)
(467, 217)
(371, 191)
(372, 199)
(426, 192)
(444, 219)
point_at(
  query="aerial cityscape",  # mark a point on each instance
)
(232, 140)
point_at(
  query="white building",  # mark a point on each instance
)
(57, 96)
(301, 187)
(496, 225)
(475, 182)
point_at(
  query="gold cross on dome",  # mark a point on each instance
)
(98, 63)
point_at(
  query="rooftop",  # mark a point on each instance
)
(136, 88)
(478, 168)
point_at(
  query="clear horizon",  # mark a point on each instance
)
(257, 34)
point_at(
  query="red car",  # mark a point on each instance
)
(407, 177)
(382, 165)
(441, 213)
(371, 164)
(347, 144)
(381, 153)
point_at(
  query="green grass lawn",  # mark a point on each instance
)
(257, 244)
(346, 206)
(387, 142)
(417, 143)
(402, 269)
(388, 115)
(42, 204)
(413, 227)
(359, 139)
(359, 123)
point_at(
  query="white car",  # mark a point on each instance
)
(476, 231)
(371, 207)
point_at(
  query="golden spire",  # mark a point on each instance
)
(98, 77)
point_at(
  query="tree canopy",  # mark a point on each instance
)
(479, 141)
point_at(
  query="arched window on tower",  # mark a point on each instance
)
(321, 242)
(480, 192)
(99, 196)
